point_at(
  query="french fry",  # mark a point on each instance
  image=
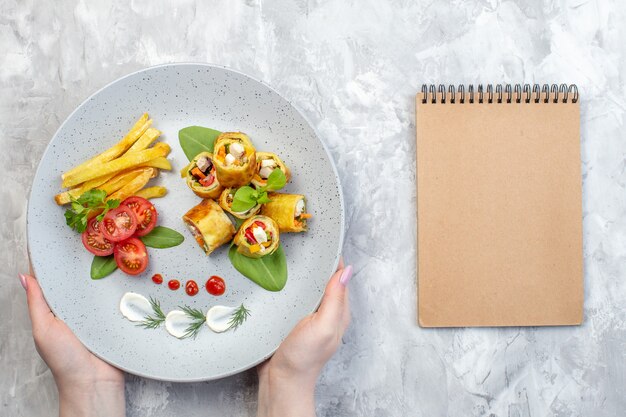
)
(109, 183)
(149, 136)
(132, 186)
(152, 192)
(123, 178)
(160, 162)
(116, 150)
(124, 162)
(66, 196)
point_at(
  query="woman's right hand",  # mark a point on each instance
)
(87, 385)
(287, 380)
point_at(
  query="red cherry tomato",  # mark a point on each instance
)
(157, 278)
(215, 285)
(250, 236)
(191, 288)
(173, 284)
(144, 211)
(94, 240)
(131, 256)
(119, 224)
(207, 181)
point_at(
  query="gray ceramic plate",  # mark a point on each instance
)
(176, 96)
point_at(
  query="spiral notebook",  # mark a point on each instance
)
(499, 206)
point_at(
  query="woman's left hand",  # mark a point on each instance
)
(87, 385)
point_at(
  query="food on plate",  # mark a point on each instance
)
(288, 210)
(135, 307)
(184, 322)
(177, 323)
(215, 285)
(122, 170)
(126, 161)
(145, 140)
(116, 150)
(94, 241)
(201, 176)
(119, 224)
(191, 288)
(226, 202)
(266, 163)
(258, 236)
(234, 159)
(218, 318)
(222, 318)
(131, 256)
(116, 231)
(112, 182)
(209, 225)
(109, 203)
(151, 192)
(144, 211)
(157, 279)
(134, 185)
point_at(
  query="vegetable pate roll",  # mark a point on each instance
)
(209, 225)
(266, 162)
(258, 236)
(288, 211)
(226, 201)
(201, 176)
(234, 159)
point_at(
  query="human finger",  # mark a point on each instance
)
(40, 314)
(335, 295)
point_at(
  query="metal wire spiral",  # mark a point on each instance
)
(508, 93)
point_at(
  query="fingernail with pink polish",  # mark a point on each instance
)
(23, 281)
(346, 275)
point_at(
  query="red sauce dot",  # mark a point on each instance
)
(174, 284)
(215, 285)
(157, 279)
(191, 287)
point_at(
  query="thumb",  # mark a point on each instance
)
(334, 303)
(40, 314)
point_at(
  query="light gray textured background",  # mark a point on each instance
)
(353, 67)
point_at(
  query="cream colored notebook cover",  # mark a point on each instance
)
(499, 206)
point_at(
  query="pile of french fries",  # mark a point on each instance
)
(122, 170)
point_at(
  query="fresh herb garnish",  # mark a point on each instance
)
(197, 320)
(269, 271)
(196, 139)
(102, 266)
(155, 320)
(162, 237)
(238, 317)
(83, 208)
(247, 197)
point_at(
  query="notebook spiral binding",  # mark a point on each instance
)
(508, 93)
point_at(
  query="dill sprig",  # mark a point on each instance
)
(154, 320)
(238, 317)
(197, 320)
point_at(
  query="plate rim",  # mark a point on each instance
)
(175, 64)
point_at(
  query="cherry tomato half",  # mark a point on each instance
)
(94, 240)
(207, 181)
(144, 211)
(131, 256)
(157, 278)
(119, 224)
(173, 284)
(215, 285)
(191, 288)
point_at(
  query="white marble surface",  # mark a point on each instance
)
(353, 67)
